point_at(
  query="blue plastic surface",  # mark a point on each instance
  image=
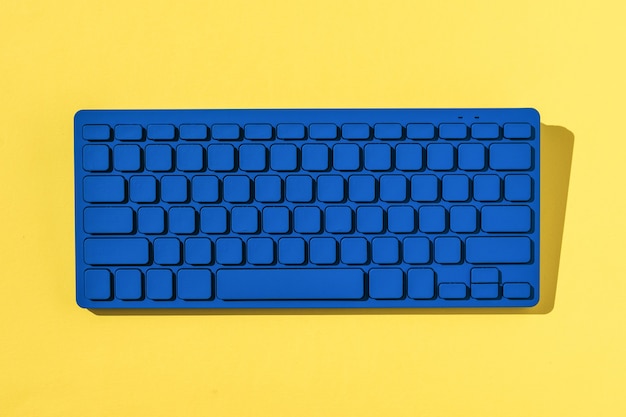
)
(307, 208)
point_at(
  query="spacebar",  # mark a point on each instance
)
(290, 284)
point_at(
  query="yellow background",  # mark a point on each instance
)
(565, 357)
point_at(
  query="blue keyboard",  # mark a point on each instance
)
(348, 208)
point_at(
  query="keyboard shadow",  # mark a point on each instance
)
(557, 146)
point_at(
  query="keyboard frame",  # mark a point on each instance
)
(307, 116)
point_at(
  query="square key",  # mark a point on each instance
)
(338, 219)
(205, 189)
(424, 188)
(448, 250)
(432, 219)
(386, 284)
(221, 157)
(409, 157)
(174, 189)
(252, 158)
(143, 189)
(486, 188)
(245, 220)
(369, 219)
(307, 219)
(440, 157)
(182, 220)
(167, 251)
(315, 157)
(237, 189)
(401, 219)
(159, 158)
(127, 158)
(213, 220)
(96, 158)
(98, 284)
(463, 219)
(416, 250)
(385, 250)
(268, 188)
(128, 284)
(190, 158)
(160, 284)
(455, 188)
(198, 251)
(347, 157)
(354, 251)
(299, 188)
(195, 284)
(151, 220)
(291, 251)
(284, 157)
(421, 283)
(323, 251)
(378, 157)
(471, 156)
(276, 220)
(330, 188)
(229, 251)
(260, 251)
(393, 188)
(518, 187)
(362, 188)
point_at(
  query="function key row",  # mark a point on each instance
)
(316, 131)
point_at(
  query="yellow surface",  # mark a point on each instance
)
(565, 358)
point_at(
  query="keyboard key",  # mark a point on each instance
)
(159, 158)
(498, 250)
(284, 157)
(315, 157)
(143, 189)
(96, 158)
(432, 219)
(116, 251)
(393, 188)
(128, 284)
(339, 219)
(485, 131)
(195, 284)
(416, 250)
(291, 251)
(385, 250)
(506, 219)
(190, 158)
(174, 189)
(193, 132)
(101, 189)
(167, 251)
(455, 188)
(440, 157)
(452, 291)
(510, 156)
(485, 276)
(323, 251)
(127, 158)
(205, 189)
(252, 158)
(290, 131)
(518, 131)
(401, 219)
(128, 132)
(409, 157)
(96, 132)
(108, 220)
(517, 187)
(517, 290)
(307, 220)
(354, 251)
(377, 157)
(182, 220)
(198, 251)
(245, 220)
(355, 131)
(421, 283)
(213, 220)
(259, 131)
(388, 131)
(276, 220)
(471, 156)
(151, 220)
(347, 157)
(448, 250)
(237, 189)
(424, 188)
(98, 284)
(330, 188)
(161, 132)
(485, 291)
(287, 284)
(221, 158)
(160, 284)
(268, 188)
(299, 188)
(452, 131)
(323, 131)
(261, 251)
(229, 251)
(362, 188)
(463, 219)
(226, 132)
(369, 219)
(386, 284)
(420, 131)
(486, 188)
